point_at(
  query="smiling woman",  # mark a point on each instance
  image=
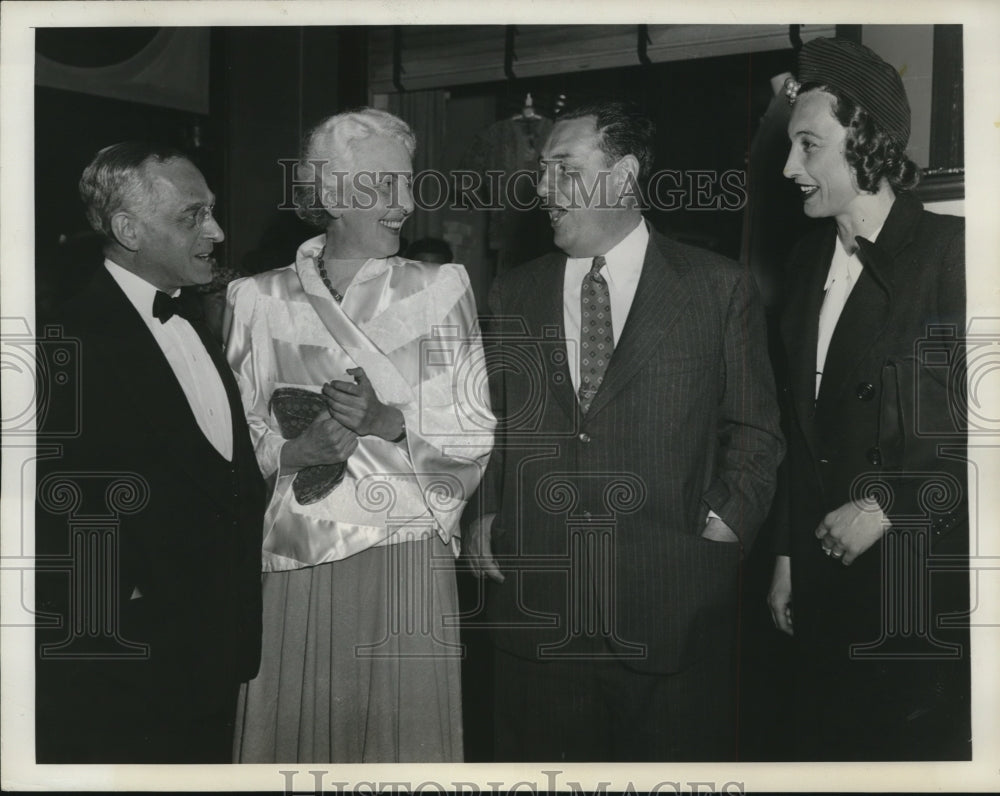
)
(872, 285)
(366, 218)
(816, 160)
(362, 528)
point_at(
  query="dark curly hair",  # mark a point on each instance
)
(869, 150)
(624, 129)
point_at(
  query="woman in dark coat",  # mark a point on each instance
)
(871, 576)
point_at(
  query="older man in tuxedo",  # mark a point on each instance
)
(637, 457)
(164, 465)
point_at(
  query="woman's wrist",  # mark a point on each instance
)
(287, 458)
(394, 425)
(402, 429)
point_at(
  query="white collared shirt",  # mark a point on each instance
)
(845, 271)
(188, 359)
(622, 268)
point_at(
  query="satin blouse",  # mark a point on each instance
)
(413, 328)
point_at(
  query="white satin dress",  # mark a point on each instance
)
(361, 655)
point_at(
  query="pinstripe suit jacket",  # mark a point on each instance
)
(611, 504)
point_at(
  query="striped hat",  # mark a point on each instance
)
(863, 77)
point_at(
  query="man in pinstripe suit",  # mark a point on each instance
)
(636, 459)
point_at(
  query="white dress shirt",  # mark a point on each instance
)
(845, 271)
(188, 359)
(622, 267)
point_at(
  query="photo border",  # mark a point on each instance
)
(981, 19)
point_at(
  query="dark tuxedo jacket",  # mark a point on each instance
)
(611, 504)
(182, 528)
(889, 421)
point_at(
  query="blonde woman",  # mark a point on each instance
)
(361, 657)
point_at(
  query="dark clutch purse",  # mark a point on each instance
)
(295, 409)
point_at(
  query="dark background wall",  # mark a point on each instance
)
(267, 86)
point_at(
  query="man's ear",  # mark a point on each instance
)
(628, 164)
(125, 228)
(626, 179)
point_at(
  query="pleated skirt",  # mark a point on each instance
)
(361, 662)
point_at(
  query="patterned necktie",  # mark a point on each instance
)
(597, 339)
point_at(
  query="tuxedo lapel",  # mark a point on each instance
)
(660, 298)
(148, 388)
(233, 398)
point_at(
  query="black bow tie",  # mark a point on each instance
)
(186, 306)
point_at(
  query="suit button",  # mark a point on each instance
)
(874, 456)
(584, 437)
(865, 391)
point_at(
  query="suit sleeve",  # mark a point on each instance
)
(780, 518)
(488, 501)
(750, 444)
(781, 542)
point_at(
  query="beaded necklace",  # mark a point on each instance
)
(326, 280)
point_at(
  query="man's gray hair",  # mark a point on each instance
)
(115, 180)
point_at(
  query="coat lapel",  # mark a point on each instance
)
(660, 297)
(861, 324)
(544, 316)
(870, 305)
(149, 387)
(228, 382)
(800, 330)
